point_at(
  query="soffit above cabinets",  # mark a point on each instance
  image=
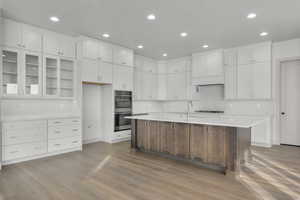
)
(219, 24)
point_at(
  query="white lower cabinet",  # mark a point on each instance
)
(25, 140)
(64, 134)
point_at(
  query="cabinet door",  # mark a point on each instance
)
(154, 136)
(32, 38)
(123, 56)
(254, 81)
(51, 66)
(32, 73)
(230, 58)
(182, 140)
(106, 52)
(89, 70)
(90, 49)
(105, 72)
(143, 135)
(51, 43)
(245, 82)
(12, 33)
(161, 86)
(262, 80)
(67, 74)
(198, 142)
(123, 78)
(139, 62)
(11, 72)
(66, 46)
(214, 63)
(176, 86)
(216, 138)
(138, 85)
(254, 53)
(177, 66)
(230, 82)
(198, 65)
(149, 66)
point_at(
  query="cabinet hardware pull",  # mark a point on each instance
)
(12, 152)
(57, 131)
(74, 142)
(57, 145)
(75, 130)
(13, 137)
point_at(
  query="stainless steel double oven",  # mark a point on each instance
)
(123, 108)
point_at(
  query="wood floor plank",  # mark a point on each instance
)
(114, 172)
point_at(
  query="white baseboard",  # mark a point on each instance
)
(121, 140)
(9, 162)
(261, 144)
(92, 141)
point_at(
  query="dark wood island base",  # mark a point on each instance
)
(216, 147)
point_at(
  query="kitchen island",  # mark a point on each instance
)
(218, 143)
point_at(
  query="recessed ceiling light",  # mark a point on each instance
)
(165, 55)
(54, 19)
(184, 34)
(264, 34)
(105, 35)
(151, 17)
(140, 46)
(205, 46)
(251, 15)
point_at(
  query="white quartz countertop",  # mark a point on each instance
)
(39, 117)
(213, 120)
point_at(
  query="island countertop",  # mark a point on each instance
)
(221, 120)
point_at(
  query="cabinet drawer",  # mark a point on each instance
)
(25, 150)
(64, 131)
(24, 136)
(59, 122)
(24, 124)
(62, 144)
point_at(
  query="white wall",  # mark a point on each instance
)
(286, 50)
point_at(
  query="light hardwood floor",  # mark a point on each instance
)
(108, 172)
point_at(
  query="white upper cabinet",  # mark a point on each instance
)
(254, 81)
(176, 86)
(208, 64)
(207, 68)
(177, 66)
(106, 52)
(122, 56)
(90, 49)
(105, 72)
(123, 78)
(230, 68)
(58, 44)
(21, 36)
(254, 53)
(89, 70)
(93, 49)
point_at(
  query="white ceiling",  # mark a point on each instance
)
(218, 23)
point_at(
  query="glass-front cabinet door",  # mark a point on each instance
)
(66, 78)
(51, 76)
(10, 72)
(32, 74)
